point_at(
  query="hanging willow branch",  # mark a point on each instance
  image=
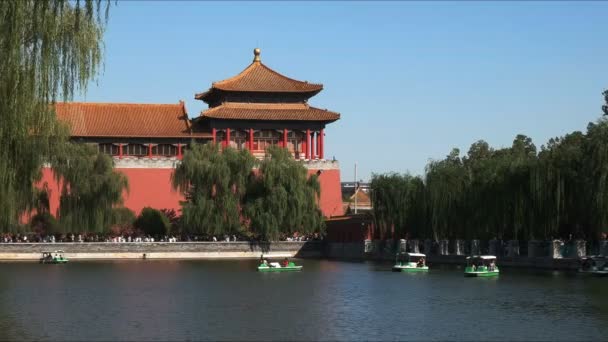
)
(48, 51)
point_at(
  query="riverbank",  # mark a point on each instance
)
(160, 250)
(247, 250)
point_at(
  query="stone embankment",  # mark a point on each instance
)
(554, 254)
(535, 254)
(159, 250)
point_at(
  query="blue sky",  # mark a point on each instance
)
(410, 79)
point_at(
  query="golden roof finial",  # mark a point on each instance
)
(256, 54)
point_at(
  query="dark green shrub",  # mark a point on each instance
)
(152, 222)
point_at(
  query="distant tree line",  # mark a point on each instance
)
(518, 192)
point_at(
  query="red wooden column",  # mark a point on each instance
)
(119, 151)
(214, 135)
(251, 140)
(284, 137)
(312, 146)
(321, 144)
(227, 142)
(149, 150)
(316, 145)
(308, 149)
(179, 151)
(303, 148)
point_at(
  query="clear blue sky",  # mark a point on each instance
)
(411, 80)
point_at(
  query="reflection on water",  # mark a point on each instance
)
(329, 300)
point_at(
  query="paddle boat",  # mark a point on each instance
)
(415, 262)
(284, 266)
(55, 257)
(594, 264)
(481, 266)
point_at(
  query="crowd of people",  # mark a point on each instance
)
(55, 238)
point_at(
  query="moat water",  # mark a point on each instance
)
(329, 300)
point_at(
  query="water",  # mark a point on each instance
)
(329, 300)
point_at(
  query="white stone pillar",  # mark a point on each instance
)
(369, 247)
(513, 248)
(443, 247)
(458, 247)
(413, 246)
(580, 248)
(555, 249)
(475, 247)
(402, 246)
(603, 247)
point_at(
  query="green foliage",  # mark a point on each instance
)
(90, 188)
(214, 183)
(44, 223)
(224, 195)
(123, 216)
(123, 222)
(394, 209)
(152, 222)
(508, 193)
(174, 219)
(48, 49)
(282, 199)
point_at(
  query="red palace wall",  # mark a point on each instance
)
(151, 187)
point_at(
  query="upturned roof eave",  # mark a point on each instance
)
(213, 91)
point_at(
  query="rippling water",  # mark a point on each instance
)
(329, 300)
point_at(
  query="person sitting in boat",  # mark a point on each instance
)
(285, 263)
(421, 262)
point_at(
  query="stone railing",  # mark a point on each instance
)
(159, 162)
(154, 162)
(160, 250)
(320, 164)
(554, 249)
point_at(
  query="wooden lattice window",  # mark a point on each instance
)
(167, 150)
(135, 150)
(108, 148)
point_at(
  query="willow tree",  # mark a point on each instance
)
(90, 189)
(397, 200)
(282, 198)
(214, 184)
(445, 182)
(596, 151)
(48, 50)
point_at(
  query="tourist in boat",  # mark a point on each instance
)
(285, 263)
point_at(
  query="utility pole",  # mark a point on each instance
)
(356, 188)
